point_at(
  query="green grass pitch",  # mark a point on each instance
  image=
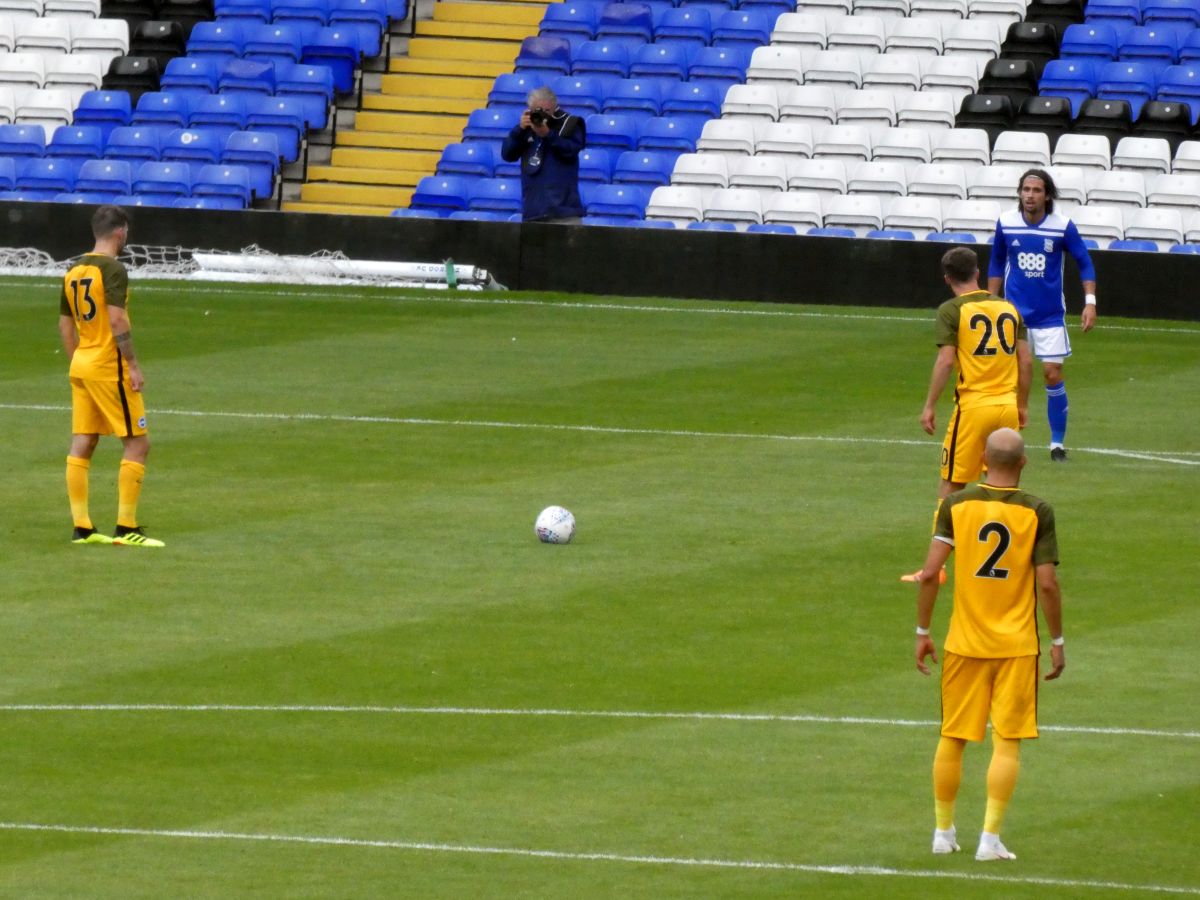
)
(347, 482)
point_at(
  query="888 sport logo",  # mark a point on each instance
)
(1032, 264)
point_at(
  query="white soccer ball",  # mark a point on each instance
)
(555, 525)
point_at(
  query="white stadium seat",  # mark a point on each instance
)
(757, 101)
(709, 170)
(855, 34)
(837, 69)
(775, 64)
(883, 179)
(862, 212)
(1116, 188)
(1089, 151)
(1162, 225)
(1100, 223)
(870, 108)
(806, 30)
(947, 180)
(977, 217)
(823, 176)
(922, 36)
(965, 146)
(728, 136)
(846, 142)
(761, 173)
(788, 139)
(814, 104)
(994, 182)
(1147, 155)
(920, 215)
(1022, 148)
(1179, 190)
(801, 209)
(737, 205)
(678, 204)
(932, 110)
(911, 146)
(973, 37)
(41, 36)
(899, 73)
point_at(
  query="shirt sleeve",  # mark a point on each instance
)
(945, 327)
(943, 526)
(999, 254)
(64, 302)
(1073, 241)
(116, 286)
(1045, 548)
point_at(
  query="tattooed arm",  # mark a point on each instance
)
(119, 320)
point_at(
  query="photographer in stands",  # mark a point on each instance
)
(547, 141)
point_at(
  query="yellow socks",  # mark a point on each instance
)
(129, 489)
(947, 775)
(1001, 780)
(77, 490)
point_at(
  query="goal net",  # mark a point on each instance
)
(254, 264)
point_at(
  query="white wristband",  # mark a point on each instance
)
(1089, 299)
(922, 631)
(1058, 641)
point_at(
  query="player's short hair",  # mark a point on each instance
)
(1051, 189)
(108, 219)
(960, 264)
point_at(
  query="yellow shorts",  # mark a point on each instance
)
(962, 450)
(1004, 689)
(106, 407)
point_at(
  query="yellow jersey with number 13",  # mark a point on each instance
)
(92, 285)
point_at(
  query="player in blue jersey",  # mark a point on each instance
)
(1027, 270)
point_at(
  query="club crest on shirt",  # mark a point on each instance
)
(142, 422)
(1048, 245)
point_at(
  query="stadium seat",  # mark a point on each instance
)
(851, 143)
(978, 38)
(812, 104)
(495, 195)
(562, 19)
(1181, 84)
(798, 29)
(1171, 12)
(994, 182)
(310, 85)
(840, 70)
(368, 17)
(104, 109)
(739, 206)
(652, 167)
(22, 140)
(1050, 116)
(684, 25)
(596, 58)
(8, 173)
(161, 108)
(1179, 190)
(798, 210)
(706, 170)
(443, 193)
(627, 201)
(1162, 225)
(1121, 11)
(818, 176)
(196, 76)
(337, 49)
(826, 8)
(582, 94)
(976, 217)
(739, 27)
(188, 13)
(762, 173)
(512, 88)
(859, 34)
(1093, 40)
(919, 215)
(272, 43)
(957, 74)
(473, 159)
(1110, 118)
(626, 20)
(1132, 82)
(928, 110)
(298, 12)
(47, 175)
(921, 36)
(72, 9)
(666, 61)
(991, 114)
(78, 141)
(947, 11)
(776, 65)
(755, 101)
(109, 36)
(964, 146)
(41, 35)
(1083, 151)
(257, 152)
(223, 181)
(1073, 79)
(1115, 188)
(22, 71)
(135, 74)
(157, 40)
(615, 131)
(791, 140)
(492, 124)
(722, 64)
(899, 73)
(225, 110)
(219, 41)
(50, 109)
(860, 212)
(676, 203)
(889, 10)
(689, 97)
(1137, 246)
(637, 97)
(113, 176)
(730, 136)
(596, 164)
(953, 237)
(162, 182)
(1021, 148)
(909, 146)
(879, 178)
(940, 180)
(875, 109)
(1013, 78)
(676, 133)
(243, 10)
(769, 228)
(1146, 155)
(1034, 41)
(282, 116)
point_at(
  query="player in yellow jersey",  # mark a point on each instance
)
(106, 379)
(984, 337)
(1005, 551)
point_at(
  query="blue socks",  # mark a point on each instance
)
(1056, 412)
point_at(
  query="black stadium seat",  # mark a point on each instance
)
(1049, 115)
(1015, 79)
(186, 12)
(1109, 118)
(1034, 41)
(134, 74)
(991, 112)
(1059, 13)
(1164, 119)
(159, 40)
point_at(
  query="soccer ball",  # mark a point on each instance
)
(555, 525)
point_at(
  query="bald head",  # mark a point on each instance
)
(1005, 452)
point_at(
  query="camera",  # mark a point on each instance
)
(539, 116)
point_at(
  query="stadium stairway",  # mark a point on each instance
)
(424, 98)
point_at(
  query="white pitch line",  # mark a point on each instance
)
(1167, 456)
(553, 713)
(629, 859)
(782, 312)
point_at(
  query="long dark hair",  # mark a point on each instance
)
(1051, 190)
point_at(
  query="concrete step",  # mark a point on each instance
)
(460, 88)
(500, 13)
(488, 69)
(406, 160)
(361, 175)
(356, 194)
(387, 140)
(408, 104)
(478, 30)
(410, 123)
(448, 48)
(336, 209)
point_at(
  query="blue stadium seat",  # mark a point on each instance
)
(651, 167)
(22, 140)
(685, 25)
(104, 109)
(615, 130)
(113, 176)
(85, 198)
(1097, 40)
(1126, 11)
(285, 12)
(248, 76)
(831, 231)
(769, 228)
(283, 116)
(408, 213)
(131, 142)
(596, 164)
(772, 9)
(641, 97)
(549, 54)
(1183, 12)
(745, 28)
(649, 223)
(714, 8)
(491, 124)
(475, 158)
(219, 41)
(666, 61)
(951, 237)
(86, 141)
(704, 97)
(162, 182)
(496, 195)
(633, 20)
(224, 180)
(1074, 79)
(258, 153)
(1135, 245)
(312, 85)
(725, 65)
(195, 75)
(610, 57)
(272, 43)
(161, 108)
(1189, 47)
(562, 19)
(512, 88)
(480, 215)
(890, 234)
(1132, 82)
(368, 17)
(251, 10)
(1149, 43)
(1181, 84)
(227, 110)
(621, 200)
(1185, 248)
(194, 145)
(214, 201)
(441, 192)
(339, 49)
(8, 173)
(711, 226)
(47, 175)
(678, 133)
(582, 94)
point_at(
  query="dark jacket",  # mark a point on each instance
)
(549, 167)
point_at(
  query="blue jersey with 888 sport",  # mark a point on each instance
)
(1030, 260)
